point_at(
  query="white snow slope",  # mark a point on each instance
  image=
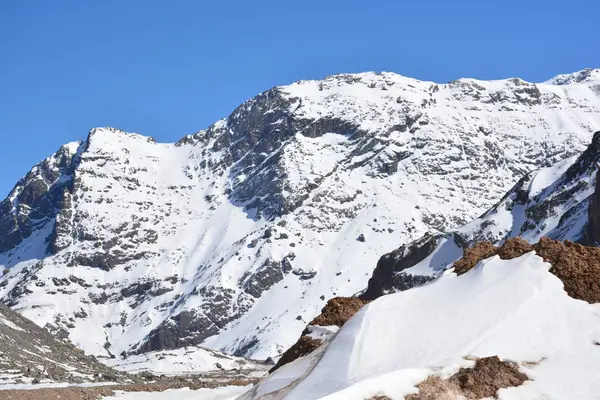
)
(185, 361)
(514, 309)
(552, 201)
(236, 236)
(222, 393)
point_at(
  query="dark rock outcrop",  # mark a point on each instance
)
(269, 274)
(593, 228)
(37, 198)
(387, 275)
(187, 328)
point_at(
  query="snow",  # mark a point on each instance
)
(465, 154)
(514, 309)
(183, 361)
(445, 253)
(585, 75)
(545, 177)
(222, 393)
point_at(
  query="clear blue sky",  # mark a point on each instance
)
(169, 68)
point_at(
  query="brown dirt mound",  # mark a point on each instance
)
(488, 376)
(513, 248)
(482, 381)
(338, 310)
(577, 266)
(305, 345)
(473, 255)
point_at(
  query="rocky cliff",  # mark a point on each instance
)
(559, 202)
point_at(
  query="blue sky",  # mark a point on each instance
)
(169, 68)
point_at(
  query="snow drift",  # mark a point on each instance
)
(514, 309)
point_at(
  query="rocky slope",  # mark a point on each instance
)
(559, 202)
(235, 236)
(30, 354)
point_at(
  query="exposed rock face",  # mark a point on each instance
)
(593, 230)
(184, 329)
(38, 198)
(559, 202)
(192, 242)
(388, 277)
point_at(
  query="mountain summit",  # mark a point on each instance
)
(235, 236)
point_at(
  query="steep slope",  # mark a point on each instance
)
(434, 341)
(235, 236)
(29, 354)
(559, 202)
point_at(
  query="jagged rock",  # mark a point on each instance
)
(555, 202)
(269, 274)
(188, 328)
(593, 229)
(386, 276)
(304, 275)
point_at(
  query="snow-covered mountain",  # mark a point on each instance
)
(518, 320)
(505, 329)
(237, 235)
(561, 202)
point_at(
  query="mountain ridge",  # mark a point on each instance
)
(130, 245)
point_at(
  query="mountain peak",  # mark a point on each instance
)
(110, 133)
(257, 217)
(585, 75)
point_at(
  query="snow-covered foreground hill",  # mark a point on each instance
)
(513, 309)
(222, 393)
(235, 236)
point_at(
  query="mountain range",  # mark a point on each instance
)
(236, 236)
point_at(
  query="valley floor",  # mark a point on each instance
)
(151, 391)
